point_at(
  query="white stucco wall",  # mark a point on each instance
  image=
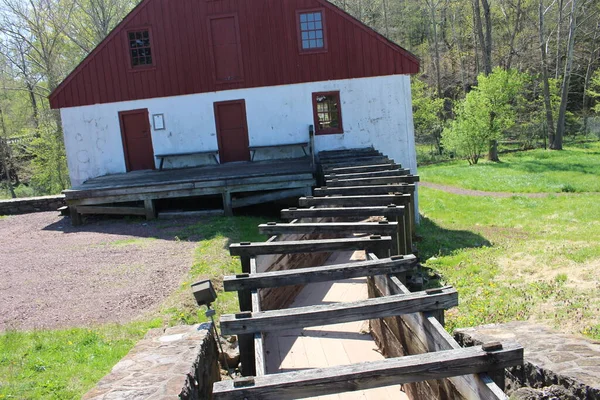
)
(375, 111)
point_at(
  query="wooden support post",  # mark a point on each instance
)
(150, 209)
(373, 374)
(75, 216)
(246, 341)
(302, 317)
(227, 206)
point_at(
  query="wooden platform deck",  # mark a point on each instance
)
(241, 184)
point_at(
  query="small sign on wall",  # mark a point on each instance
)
(158, 121)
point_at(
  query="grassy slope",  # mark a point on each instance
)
(575, 169)
(516, 258)
(64, 364)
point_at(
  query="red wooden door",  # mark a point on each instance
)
(226, 49)
(232, 131)
(137, 141)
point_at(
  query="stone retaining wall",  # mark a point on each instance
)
(31, 204)
(179, 363)
(554, 362)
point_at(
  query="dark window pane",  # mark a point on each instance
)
(319, 43)
(149, 59)
(302, 17)
(318, 16)
(305, 44)
(310, 17)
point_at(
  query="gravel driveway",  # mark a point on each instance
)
(53, 275)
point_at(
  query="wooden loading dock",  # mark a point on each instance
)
(408, 326)
(240, 185)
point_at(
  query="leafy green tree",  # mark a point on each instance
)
(485, 114)
(427, 113)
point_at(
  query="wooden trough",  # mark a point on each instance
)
(408, 326)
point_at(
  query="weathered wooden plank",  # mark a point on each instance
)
(432, 337)
(343, 151)
(186, 185)
(327, 167)
(327, 273)
(109, 210)
(370, 174)
(166, 193)
(362, 168)
(268, 196)
(260, 367)
(368, 375)
(309, 246)
(385, 180)
(246, 342)
(328, 314)
(374, 228)
(356, 201)
(389, 211)
(370, 190)
(349, 156)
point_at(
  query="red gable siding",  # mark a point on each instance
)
(181, 46)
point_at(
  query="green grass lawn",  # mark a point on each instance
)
(575, 169)
(516, 258)
(64, 364)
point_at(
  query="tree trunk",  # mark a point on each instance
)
(432, 8)
(385, 18)
(546, 84)
(514, 34)
(488, 35)
(487, 68)
(562, 111)
(558, 33)
(6, 158)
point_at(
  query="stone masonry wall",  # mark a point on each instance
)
(179, 363)
(31, 204)
(553, 360)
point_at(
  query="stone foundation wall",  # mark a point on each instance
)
(178, 363)
(554, 362)
(31, 205)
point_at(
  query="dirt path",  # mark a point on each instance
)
(481, 193)
(53, 275)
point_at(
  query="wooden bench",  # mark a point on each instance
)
(302, 145)
(162, 157)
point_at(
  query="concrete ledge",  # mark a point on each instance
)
(551, 358)
(28, 205)
(179, 363)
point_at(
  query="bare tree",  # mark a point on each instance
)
(562, 111)
(544, 67)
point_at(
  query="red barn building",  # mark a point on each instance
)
(194, 81)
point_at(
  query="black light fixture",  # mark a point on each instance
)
(205, 295)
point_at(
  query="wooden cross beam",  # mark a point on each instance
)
(353, 163)
(390, 211)
(370, 190)
(398, 199)
(374, 228)
(371, 174)
(362, 168)
(329, 158)
(247, 249)
(302, 317)
(373, 374)
(302, 276)
(384, 180)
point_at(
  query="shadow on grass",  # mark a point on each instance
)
(437, 241)
(192, 229)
